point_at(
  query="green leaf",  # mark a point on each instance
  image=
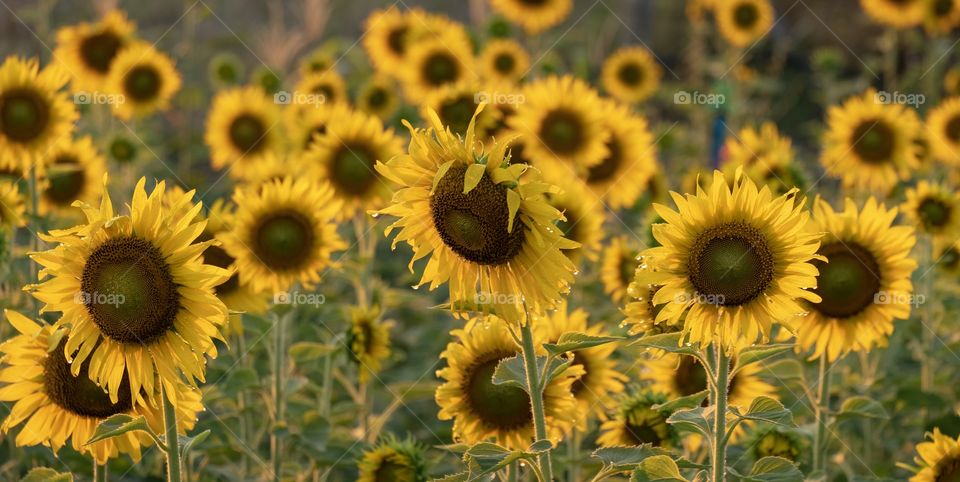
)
(669, 342)
(785, 369)
(487, 458)
(239, 380)
(766, 409)
(759, 353)
(188, 443)
(692, 420)
(622, 459)
(689, 401)
(118, 425)
(771, 469)
(540, 446)
(307, 351)
(861, 407)
(573, 341)
(44, 474)
(659, 468)
(314, 433)
(511, 372)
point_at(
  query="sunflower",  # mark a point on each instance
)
(345, 155)
(776, 441)
(900, 14)
(267, 79)
(863, 285)
(327, 87)
(948, 258)
(504, 61)
(34, 112)
(135, 292)
(938, 459)
(951, 81)
(601, 380)
(735, 257)
(272, 167)
(319, 60)
(121, 149)
(583, 216)
(682, 375)
(241, 129)
(283, 233)
(534, 16)
(933, 208)
(368, 338)
(455, 104)
(482, 410)
(146, 79)
(559, 124)
(943, 124)
(743, 22)
(74, 172)
(637, 422)
(59, 401)
(304, 126)
(87, 50)
(225, 70)
(941, 16)
(631, 74)
(389, 34)
(378, 97)
(761, 146)
(870, 144)
(11, 206)
(617, 268)
(433, 63)
(485, 232)
(395, 461)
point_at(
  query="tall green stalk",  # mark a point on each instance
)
(99, 472)
(823, 402)
(536, 395)
(718, 450)
(279, 355)
(173, 439)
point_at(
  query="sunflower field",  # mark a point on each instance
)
(480, 240)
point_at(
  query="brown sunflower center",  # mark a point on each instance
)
(397, 40)
(562, 131)
(504, 63)
(122, 150)
(456, 113)
(128, 290)
(746, 15)
(474, 225)
(942, 8)
(644, 425)
(934, 213)
(247, 132)
(628, 267)
(948, 470)
(440, 68)
(283, 240)
(773, 444)
(24, 114)
(65, 181)
(390, 471)
(873, 141)
(503, 406)
(79, 394)
(98, 51)
(142, 83)
(730, 264)
(377, 97)
(217, 256)
(848, 282)
(630, 74)
(327, 91)
(352, 169)
(952, 129)
(608, 167)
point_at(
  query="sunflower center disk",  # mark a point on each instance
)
(628, 267)
(848, 282)
(948, 470)
(608, 167)
(394, 472)
(353, 170)
(730, 264)
(873, 141)
(397, 40)
(142, 83)
(504, 63)
(953, 129)
(934, 213)
(79, 394)
(217, 256)
(503, 406)
(562, 131)
(746, 15)
(377, 98)
(99, 50)
(440, 68)
(122, 150)
(941, 8)
(246, 133)
(23, 115)
(474, 225)
(66, 181)
(128, 290)
(457, 114)
(584, 381)
(284, 240)
(646, 426)
(630, 74)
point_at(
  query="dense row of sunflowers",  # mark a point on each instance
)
(507, 199)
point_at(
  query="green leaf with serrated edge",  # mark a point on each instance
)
(771, 469)
(861, 407)
(511, 372)
(758, 353)
(669, 342)
(188, 443)
(557, 368)
(307, 351)
(461, 477)
(455, 448)
(118, 425)
(785, 369)
(766, 409)
(659, 468)
(540, 446)
(626, 458)
(690, 401)
(573, 341)
(696, 420)
(487, 457)
(44, 474)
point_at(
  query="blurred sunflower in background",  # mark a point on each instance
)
(11, 206)
(863, 285)
(636, 422)
(533, 16)
(328, 86)
(583, 217)
(933, 209)
(394, 460)
(436, 62)
(482, 410)
(242, 127)
(56, 400)
(87, 50)
(631, 74)
(900, 14)
(682, 375)
(74, 173)
(618, 265)
(938, 458)
(869, 144)
(743, 22)
(758, 148)
(121, 149)
(776, 441)
(368, 338)
(941, 16)
(146, 78)
(504, 61)
(378, 96)
(303, 127)
(284, 233)
(135, 292)
(456, 104)
(943, 125)
(948, 257)
(318, 60)
(225, 70)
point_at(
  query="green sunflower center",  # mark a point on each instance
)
(503, 406)
(122, 150)
(227, 72)
(457, 113)
(942, 8)
(129, 291)
(608, 167)
(66, 179)
(24, 114)
(217, 256)
(952, 129)
(934, 213)
(440, 68)
(98, 51)
(474, 225)
(142, 83)
(848, 282)
(630, 74)
(645, 425)
(562, 131)
(79, 394)
(873, 141)
(397, 40)
(504, 63)
(746, 15)
(247, 133)
(284, 240)
(948, 470)
(390, 471)
(352, 169)
(730, 264)
(377, 98)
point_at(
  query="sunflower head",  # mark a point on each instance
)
(900, 14)
(12, 206)
(617, 267)
(534, 16)
(938, 459)
(74, 172)
(933, 208)
(225, 70)
(434, 63)
(393, 460)
(638, 422)
(378, 96)
(631, 74)
(369, 340)
(146, 79)
(774, 441)
(943, 125)
(87, 50)
(266, 79)
(742, 22)
(242, 128)
(504, 61)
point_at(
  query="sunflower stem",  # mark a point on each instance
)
(99, 472)
(279, 352)
(718, 451)
(536, 395)
(173, 439)
(823, 401)
(34, 225)
(574, 455)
